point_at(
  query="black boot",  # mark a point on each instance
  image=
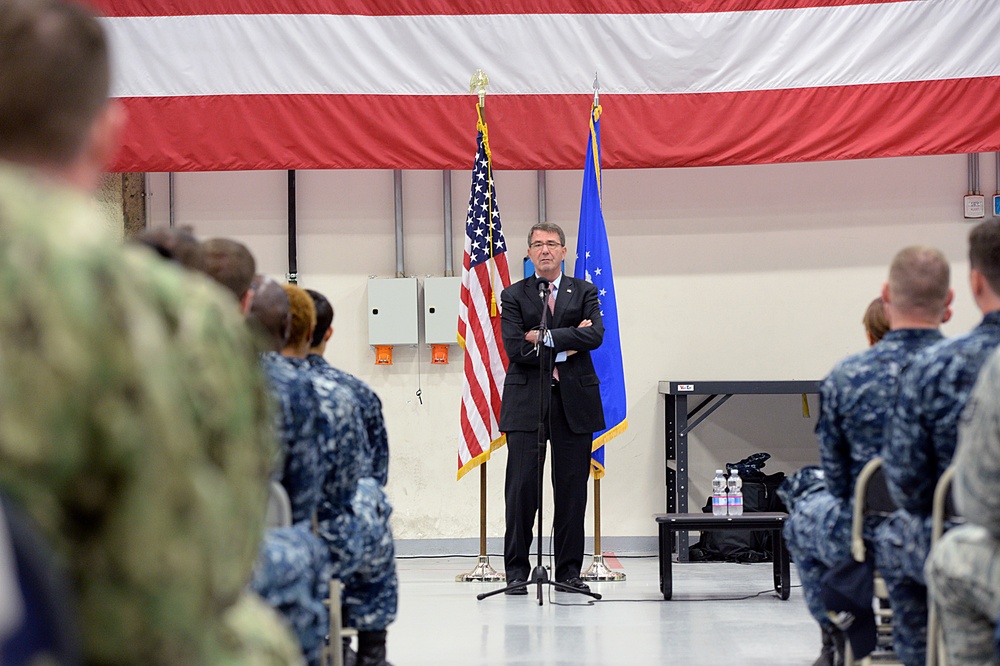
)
(371, 649)
(832, 652)
(350, 656)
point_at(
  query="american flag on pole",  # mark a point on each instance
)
(593, 264)
(484, 276)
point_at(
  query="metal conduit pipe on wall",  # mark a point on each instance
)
(293, 262)
(541, 197)
(996, 161)
(449, 251)
(973, 167)
(397, 185)
(170, 197)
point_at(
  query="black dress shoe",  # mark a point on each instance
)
(576, 583)
(516, 590)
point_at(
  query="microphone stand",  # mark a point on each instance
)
(539, 575)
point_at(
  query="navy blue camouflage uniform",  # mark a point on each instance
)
(292, 575)
(856, 400)
(293, 570)
(353, 514)
(919, 447)
(296, 424)
(371, 414)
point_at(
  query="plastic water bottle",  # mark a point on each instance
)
(719, 494)
(735, 493)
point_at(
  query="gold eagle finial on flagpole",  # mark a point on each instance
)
(478, 85)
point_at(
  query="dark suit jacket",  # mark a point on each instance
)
(576, 300)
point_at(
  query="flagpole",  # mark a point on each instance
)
(483, 571)
(598, 570)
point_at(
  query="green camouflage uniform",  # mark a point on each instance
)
(133, 428)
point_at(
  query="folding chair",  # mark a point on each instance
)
(944, 510)
(279, 506)
(333, 651)
(872, 498)
(334, 655)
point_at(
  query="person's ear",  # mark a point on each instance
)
(328, 334)
(976, 283)
(947, 306)
(105, 135)
(246, 302)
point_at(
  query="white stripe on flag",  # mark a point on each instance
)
(556, 53)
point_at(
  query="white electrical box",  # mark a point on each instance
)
(975, 206)
(392, 311)
(442, 296)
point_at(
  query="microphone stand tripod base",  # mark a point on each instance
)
(483, 572)
(598, 570)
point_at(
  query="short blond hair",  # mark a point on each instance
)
(918, 281)
(303, 315)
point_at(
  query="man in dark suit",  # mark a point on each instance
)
(571, 413)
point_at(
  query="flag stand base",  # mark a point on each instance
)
(599, 571)
(482, 573)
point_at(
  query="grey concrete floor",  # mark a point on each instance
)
(720, 613)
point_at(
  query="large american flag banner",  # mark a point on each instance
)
(311, 84)
(484, 276)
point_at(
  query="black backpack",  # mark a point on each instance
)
(759, 494)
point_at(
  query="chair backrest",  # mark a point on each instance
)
(878, 499)
(279, 506)
(944, 508)
(871, 497)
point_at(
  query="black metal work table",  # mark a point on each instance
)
(679, 423)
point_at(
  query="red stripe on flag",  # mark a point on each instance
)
(491, 346)
(146, 8)
(711, 129)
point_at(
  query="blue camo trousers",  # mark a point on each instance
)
(818, 535)
(363, 554)
(292, 575)
(902, 544)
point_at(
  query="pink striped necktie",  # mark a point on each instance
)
(552, 310)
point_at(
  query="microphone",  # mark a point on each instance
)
(543, 293)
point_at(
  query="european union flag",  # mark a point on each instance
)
(593, 264)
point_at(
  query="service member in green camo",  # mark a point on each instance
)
(133, 426)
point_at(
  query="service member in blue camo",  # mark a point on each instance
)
(370, 596)
(963, 570)
(371, 405)
(354, 511)
(856, 399)
(293, 570)
(921, 441)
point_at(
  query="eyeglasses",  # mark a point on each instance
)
(552, 245)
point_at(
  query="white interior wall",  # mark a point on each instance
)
(756, 272)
